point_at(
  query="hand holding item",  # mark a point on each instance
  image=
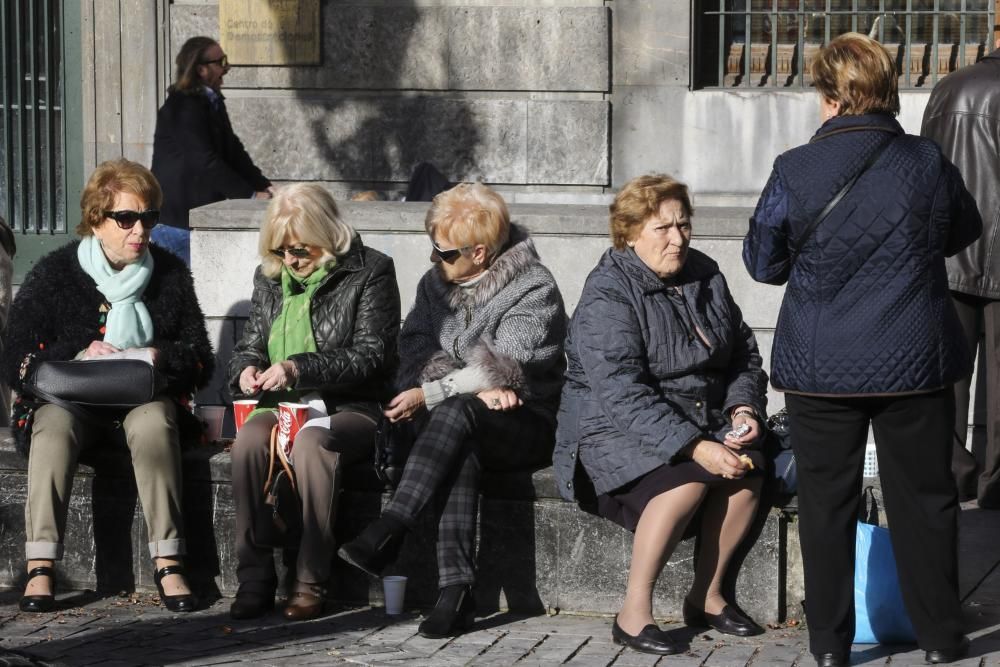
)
(405, 405)
(746, 428)
(500, 399)
(249, 382)
(278, 377)
(718, 459)
(98, 348)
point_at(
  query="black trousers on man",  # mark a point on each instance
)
(913, 436)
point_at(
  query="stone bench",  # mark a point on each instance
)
(536, 552)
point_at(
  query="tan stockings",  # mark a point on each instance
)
(727, 514)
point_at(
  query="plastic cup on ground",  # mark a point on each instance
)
(242, 410)
(212, 415)
(395, 590)
(291, 417)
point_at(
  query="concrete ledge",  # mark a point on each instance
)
(536, 552)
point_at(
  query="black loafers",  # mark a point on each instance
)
(37, 604)
(251, 604)
(649, 640)
(832, 659)
(731, 621)
(183, 602)
(944, 655)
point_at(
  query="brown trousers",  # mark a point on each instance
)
(319, 456)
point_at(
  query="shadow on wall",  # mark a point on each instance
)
(379, 125)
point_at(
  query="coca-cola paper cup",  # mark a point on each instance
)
(242, 410)
(291, 417)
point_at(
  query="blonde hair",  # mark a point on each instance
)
(108, 180)
(309, 212)
(856, 71)
(470, 214)
(640, 198)
(186, 77)
(365, 195)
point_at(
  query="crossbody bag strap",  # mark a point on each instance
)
(275, 456)
(84, 415)
(830, 205)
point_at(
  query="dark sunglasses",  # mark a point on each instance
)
(447, 256)
(126, 219)
(299, 253)
(222, 62)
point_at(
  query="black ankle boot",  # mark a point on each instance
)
(454, 613)
(376, 547)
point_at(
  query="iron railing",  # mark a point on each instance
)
(770, 43)
(32, 163)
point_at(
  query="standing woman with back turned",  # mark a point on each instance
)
(867, 334)
(197, 157)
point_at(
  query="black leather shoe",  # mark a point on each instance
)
(649, 640)
(943, 655)
(38, 604)
(376, 547)
(184, 602)
(730, 622)
(454, 613)
(250, 604)
(832, 659)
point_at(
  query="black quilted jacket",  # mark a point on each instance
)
(867, 308)
(355, 320)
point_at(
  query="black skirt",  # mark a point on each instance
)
(626, 504)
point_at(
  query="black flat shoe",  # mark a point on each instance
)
(454, 613)
(832, 659)
(943, 655)
(38, 604)
(184, 602)
(250, 604)
(376, 547)
(730, 622)
(649, 640)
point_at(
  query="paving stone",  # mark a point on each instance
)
(595, 653)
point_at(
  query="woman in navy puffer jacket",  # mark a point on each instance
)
(867, 334)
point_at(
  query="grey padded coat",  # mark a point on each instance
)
(642, 383)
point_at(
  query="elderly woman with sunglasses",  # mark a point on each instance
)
(324, 319)
(108, 292)
(480, 372)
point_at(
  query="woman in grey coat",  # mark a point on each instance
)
(481, 366)
(662, 408)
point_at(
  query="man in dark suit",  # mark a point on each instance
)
(197, 156)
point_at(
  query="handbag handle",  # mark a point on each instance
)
(284, 464)
(84, 415)
(830, 205)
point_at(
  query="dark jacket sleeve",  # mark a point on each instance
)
(746, 383)
(418, 344)
(251, 350)
(34, 326)
(766, 251)
(373, 345)
(237, 178)
(186, 358)
(966, 222)
(608, 342)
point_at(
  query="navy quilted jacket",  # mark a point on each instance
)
(640, 382)
(867, 308)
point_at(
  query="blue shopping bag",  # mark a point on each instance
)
(879, 614)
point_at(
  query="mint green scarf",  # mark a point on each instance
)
(128, 324)
(292, 332)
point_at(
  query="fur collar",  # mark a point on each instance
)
(519, 254)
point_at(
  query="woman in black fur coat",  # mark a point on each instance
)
(108, 292)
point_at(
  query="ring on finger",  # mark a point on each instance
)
(495, 403)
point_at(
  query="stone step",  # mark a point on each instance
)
(536, 552)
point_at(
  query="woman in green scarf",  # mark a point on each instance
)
(323, 324)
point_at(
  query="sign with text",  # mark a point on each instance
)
(270, 32)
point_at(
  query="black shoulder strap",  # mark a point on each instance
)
(81, 413)
(807, 234)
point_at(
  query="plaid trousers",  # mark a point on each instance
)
(459, 438)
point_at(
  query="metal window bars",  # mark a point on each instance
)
(31, 116)
(770, 43)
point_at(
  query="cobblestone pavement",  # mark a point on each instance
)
(136, 631)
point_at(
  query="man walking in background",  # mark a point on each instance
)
(963, 116)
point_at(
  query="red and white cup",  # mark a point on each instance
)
(242, 410)
(291, 418)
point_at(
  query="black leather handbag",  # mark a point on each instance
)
(83, 386)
